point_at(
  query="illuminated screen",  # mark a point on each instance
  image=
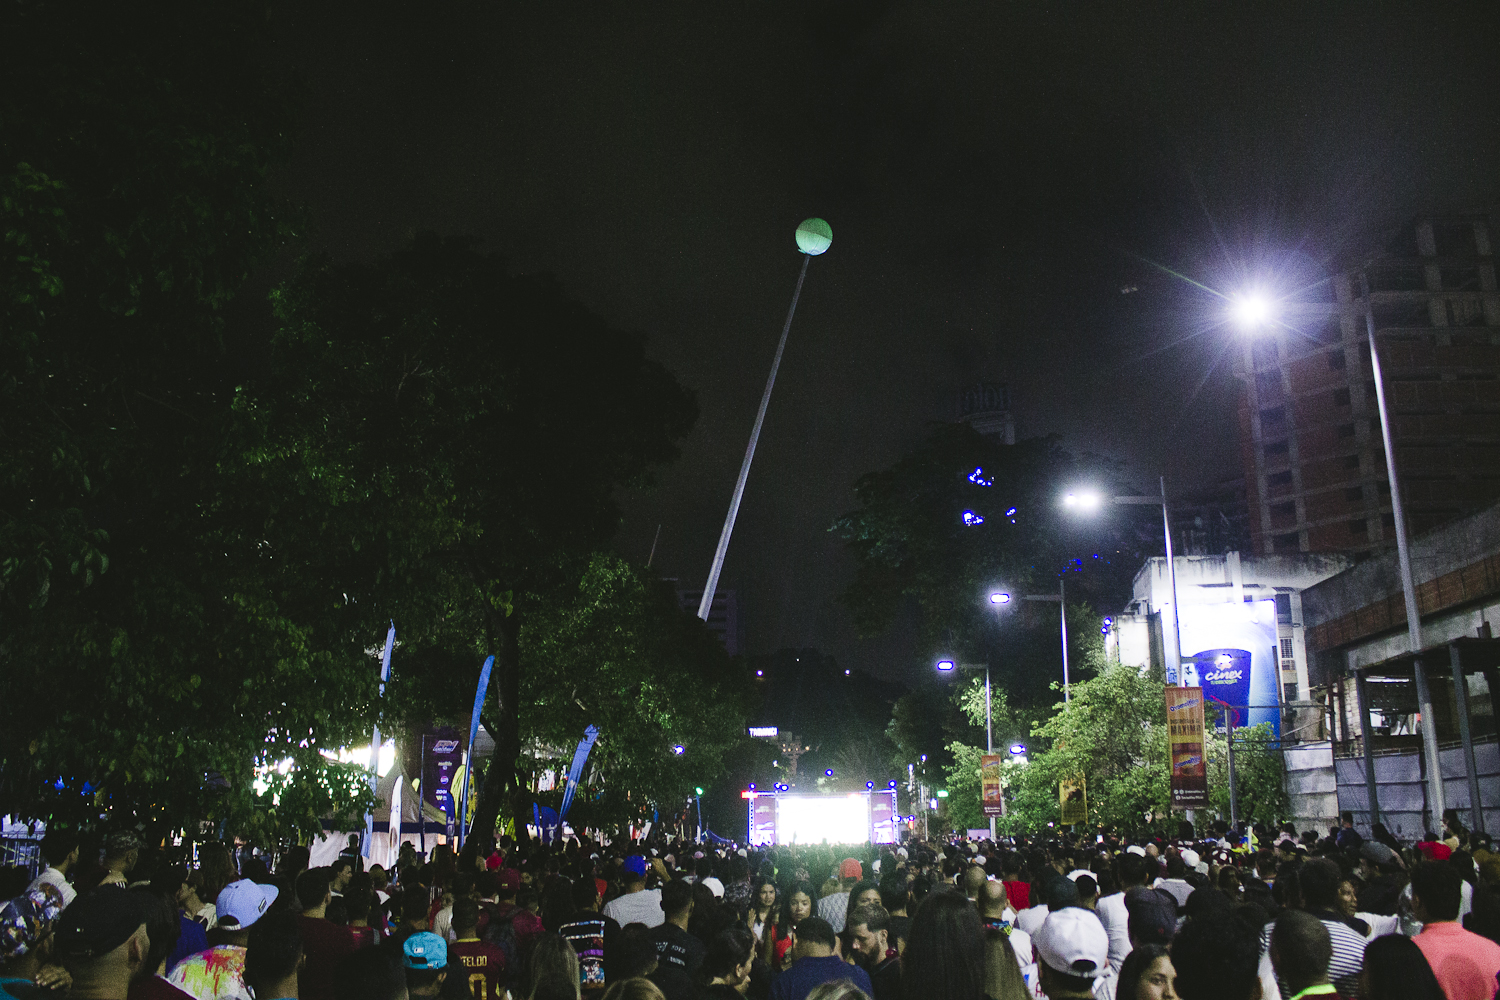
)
(812, 819)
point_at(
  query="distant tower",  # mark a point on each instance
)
(986, 408)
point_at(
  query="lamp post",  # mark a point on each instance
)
(814, 237)
(947, 666)
(1089, 502)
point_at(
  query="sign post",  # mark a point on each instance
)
(1185, 735)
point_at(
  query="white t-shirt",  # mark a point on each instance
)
(642, 907)
(1116, 921)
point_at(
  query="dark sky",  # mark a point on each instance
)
(994, 174)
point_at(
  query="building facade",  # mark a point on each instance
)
(986, 408)
(1309, 424)
(723, 616)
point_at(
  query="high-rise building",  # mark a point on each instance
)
(723, 616)
(986, 408)
(1309, 425)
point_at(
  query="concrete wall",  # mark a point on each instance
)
(1311, 786)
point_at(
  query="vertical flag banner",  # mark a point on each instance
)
(1072, 800)
(1185, 740)
(385, 676)
(989, 784)
(444, 753)
(575, 773)
(468, 768)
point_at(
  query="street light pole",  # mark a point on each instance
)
(1408, 587)
(1062, 604)
(814, 236)
(1174, 652)
(989, 737)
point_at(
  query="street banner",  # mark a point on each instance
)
(463, 784)
(1072, 799)
(989, 784)
(575, 773)
(442, 753)
(385, 676)
(1186, 745)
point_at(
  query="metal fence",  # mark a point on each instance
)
(23, 851)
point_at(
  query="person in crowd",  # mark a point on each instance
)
(835, 905)
(121, 852)
(1396, 969)
(1017, 890)
(218, 973)
(1003, 979)
(192, 903)
(163, 927)
(425, 958)
(1348, 838)
(171, 886)
(593, 936)
(1318, 883)
(1175, 881)
(760, 915)
(274, 957)
(895, 896)
(359, 900)
(634, 988)
(970, 881)
(351, 854)
(478, 965)
(413, 899)
(325, 942)
(869, 939)
(945, 956)
(814, 963)
(838, 989)
(995, 912)
(1301, 952)
(102, 941)
(557, 901)
(554, 970)
(1113, 913)
(708, 916)
(1465, 964)
(1376, 924)
(636, 904)
(728, 960)
(864, 894)
(635, 953)
(26, 924)
(61, 849)
(1151, 916)
(1072, 950)
(1217, 957)
(796, 906)
(1147, 974)
(738, 890)
(678, 953)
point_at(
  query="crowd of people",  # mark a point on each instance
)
(1103, 917)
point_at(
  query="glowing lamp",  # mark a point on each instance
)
(869, 784)
(942, 793)
(752, 786)
(698, 791)
(814, 237)
(999, 598)
(829, 772)
(678, 749)
(1251, 310)
(1018, 748)
(944, 665)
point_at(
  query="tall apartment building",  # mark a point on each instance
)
(723, 615)
(1309, 425)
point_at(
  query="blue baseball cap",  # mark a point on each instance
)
(425, 950)
(636, 865)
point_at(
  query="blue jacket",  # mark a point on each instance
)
(806, 974)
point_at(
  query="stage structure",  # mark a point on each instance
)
(782, 817)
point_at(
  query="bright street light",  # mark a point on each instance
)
(1018, 748)
(945, 665)
(1251, 310)
(1087, 500)
(678, 749)
(999, 598)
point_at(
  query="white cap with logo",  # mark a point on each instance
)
(1073, 941)
(242, 903)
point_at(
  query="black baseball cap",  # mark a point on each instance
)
(100, 921)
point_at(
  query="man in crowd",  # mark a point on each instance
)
(1073, 951)
(636, 904)
(26, 924)
(1320, 879)
(425, 958)
(835, 906)
(1176, 880)
(593, 937)
(1300, 952)
(737, 891)
(219, 972)
(274, 957)
(1113, 913)
(340, 872)
(103, 943)
(678, 953)
(60, 848)
(895, 895)
(121, 851)
(325, 942)
(869, 938)
(479, 964)
(1464, 963)
(995, 912)
(814, 963)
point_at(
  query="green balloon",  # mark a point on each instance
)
(814, 236)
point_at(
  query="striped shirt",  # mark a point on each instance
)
(1348, 954)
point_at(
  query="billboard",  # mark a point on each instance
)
(1072, 800)
(1231, 652)
(1185, 739)
(441, 754)
(989, 785)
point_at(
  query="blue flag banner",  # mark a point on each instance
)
(463, 799)
(385, 676)
(549, 825)
(575, 773)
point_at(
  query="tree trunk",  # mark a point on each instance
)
(500, 779)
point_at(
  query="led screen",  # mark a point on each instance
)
(812, 819)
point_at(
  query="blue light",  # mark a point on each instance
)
(678, 749)
(892, 785)
(58, 784)
(1109, 621)
(977, 478)
(999, 598)
(945, 665)
(829, 772)
(1018, 748)
(752, 786)
(1011, 512)
(971, 518)
(869, 784)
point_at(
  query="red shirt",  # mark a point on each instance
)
(482, 967)
(325, 943)
(1018, 894)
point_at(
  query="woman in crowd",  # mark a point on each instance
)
(944, 954)
(1002, 973)
(761, 913)
(796, 906)
(727, 962)
(554, 970)
(1395, 969)
(1146, 975)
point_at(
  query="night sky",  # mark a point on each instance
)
(994, 175)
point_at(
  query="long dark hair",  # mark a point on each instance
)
(784, 918)
(1396, 969)
(728, 950)
(1136, 964)
(761, 883)
(944, 954)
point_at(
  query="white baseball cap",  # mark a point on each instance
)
(715, 886)
(1190, 858)
(1137, 850)
(242, 903)
(1073, 941)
